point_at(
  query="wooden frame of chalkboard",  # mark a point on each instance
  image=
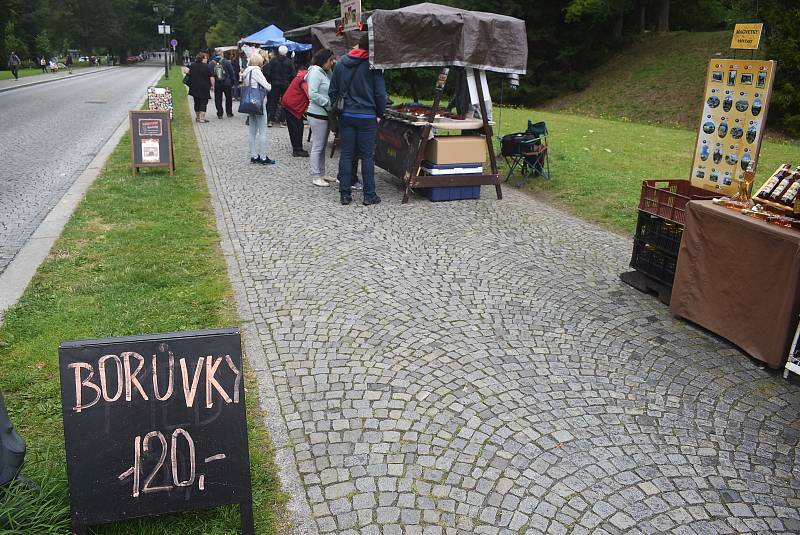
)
(151, 140)
(155, 424)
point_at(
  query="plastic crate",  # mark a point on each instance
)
(668, 198)
(452, 193)
(662, 233)
(654, 263)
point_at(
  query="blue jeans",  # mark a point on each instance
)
(357, 138)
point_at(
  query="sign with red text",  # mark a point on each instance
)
(155, 424)
(351, 14)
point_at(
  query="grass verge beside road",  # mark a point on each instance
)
(7, 75)
(598, 164)
(140, 255)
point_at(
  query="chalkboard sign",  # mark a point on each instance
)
(155, 424)
(151, 139)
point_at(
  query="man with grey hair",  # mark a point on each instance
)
(280, 74)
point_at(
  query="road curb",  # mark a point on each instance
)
(69, 77)
(19, 272)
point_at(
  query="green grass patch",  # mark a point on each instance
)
(140, 255)
(7, 75)
(598, 164)
(658, 79)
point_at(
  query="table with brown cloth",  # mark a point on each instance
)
(739, 277)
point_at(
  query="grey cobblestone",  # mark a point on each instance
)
(478, 367)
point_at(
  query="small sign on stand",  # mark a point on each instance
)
(160, 98)
(747, 36)
(155, 424)
(351, 15)
(151, 140)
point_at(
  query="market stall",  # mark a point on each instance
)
(411, 143)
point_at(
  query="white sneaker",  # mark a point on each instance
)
(319, 181)
(357, 186)
(331, 179)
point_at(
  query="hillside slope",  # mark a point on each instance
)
(657, 79)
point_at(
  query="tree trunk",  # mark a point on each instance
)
(642, 16)
(618, 26)
(663, 16)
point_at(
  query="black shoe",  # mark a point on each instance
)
(219, 116)
(255, 160)
(371, 200)
(346, 199)
(230, 115)
(300, 153)
(267, 161)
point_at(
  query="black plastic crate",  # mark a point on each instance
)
(653, 262)
(661, 233)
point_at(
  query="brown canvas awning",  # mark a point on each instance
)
(323, 35)
(430, 35)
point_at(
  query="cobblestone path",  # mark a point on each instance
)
(478, 367)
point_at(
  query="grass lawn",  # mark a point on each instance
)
(140, 255)
(6, 75)
(598, 164)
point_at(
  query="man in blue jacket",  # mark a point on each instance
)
(225, 77)
(364, 92)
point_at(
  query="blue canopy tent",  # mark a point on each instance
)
(271, 37)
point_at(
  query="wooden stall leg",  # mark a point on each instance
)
(246, 517)
(487, 132)
(407, 191)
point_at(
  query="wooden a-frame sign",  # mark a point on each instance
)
(151, 140)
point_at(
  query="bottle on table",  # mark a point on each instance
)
(773, 181)
(790, 195)
(784, 184)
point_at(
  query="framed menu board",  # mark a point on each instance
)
(151, 140)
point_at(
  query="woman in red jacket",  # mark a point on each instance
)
(295, 103)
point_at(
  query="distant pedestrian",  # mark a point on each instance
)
(53, 65)
(318, 78)
(281, 73)
(201, 84)
(364, 103)
(223, 84)
(257, 123)
(43, 64)
(13, 64)
(295, 104)
(68, 63)
(237, 73)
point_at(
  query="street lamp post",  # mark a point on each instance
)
(164, 29)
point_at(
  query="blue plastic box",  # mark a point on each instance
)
(452, 193)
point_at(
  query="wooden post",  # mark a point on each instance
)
(487, 131)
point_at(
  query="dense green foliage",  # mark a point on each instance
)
(566, 38)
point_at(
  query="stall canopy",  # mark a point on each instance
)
(323, 35)
(427, 35)
(270, 33)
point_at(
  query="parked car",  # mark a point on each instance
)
(132, 59)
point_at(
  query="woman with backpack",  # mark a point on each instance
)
(318, 78)
(295, 102)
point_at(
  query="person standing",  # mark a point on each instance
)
(257, 123)
(43, 64)
(13, 64)
(223, 82)
(237, 71)
(364, 91)
(68, 62)
(295, 104)
(281, 72)
(318, 78)
(201, 84)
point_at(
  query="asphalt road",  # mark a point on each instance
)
(49, 133)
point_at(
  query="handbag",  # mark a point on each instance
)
(187, 80)
(334, 114)
(251, 100)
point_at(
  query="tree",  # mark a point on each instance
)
(663, 16)
(12, 43)
(43, 45)
(221, 34)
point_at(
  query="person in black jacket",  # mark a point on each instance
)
(237, 69)
(364, 91)
(201, 84)
(280, 74)
(224, 76)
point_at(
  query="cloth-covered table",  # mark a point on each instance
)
(739, 277)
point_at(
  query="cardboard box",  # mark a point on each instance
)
(456, 149)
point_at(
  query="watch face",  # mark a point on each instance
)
(745, 161)
(717, 156)
(761, 81)
(751, 134)
(756, 109)
(727, 104)
(700, 173)
(713, 102)
(704, 152)
(731, 158)
(722, 131)
(737, 132)
(714, 177)
(717, 76)
(708, 127)
(731, 77)
(742, 104)
(747, 79)
(727, 181)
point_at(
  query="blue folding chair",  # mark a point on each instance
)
(527, 151)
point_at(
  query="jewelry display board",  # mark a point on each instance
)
(735, 107)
